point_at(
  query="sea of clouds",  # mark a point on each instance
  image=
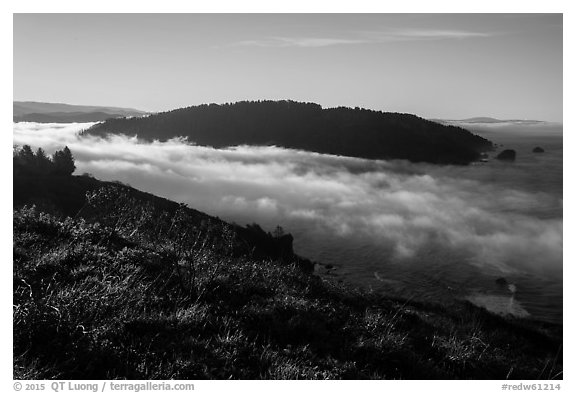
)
(401, 206)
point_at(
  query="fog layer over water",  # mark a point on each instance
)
(414, 229)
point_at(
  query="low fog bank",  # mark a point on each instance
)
(525, 126)
(401, 206)
(512, 131)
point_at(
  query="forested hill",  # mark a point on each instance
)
(342, 131)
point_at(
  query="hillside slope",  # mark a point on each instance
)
(123, 284)
(66, 196)
(342, 131)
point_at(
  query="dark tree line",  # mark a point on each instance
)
(344, 131)
(26, 162)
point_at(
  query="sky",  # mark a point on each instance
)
(450, 66)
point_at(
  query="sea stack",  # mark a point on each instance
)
(507, 155)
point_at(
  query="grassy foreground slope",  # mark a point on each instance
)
(134, 287)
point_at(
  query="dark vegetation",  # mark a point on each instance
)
(26, 162)
(111, 282)
(342, 131)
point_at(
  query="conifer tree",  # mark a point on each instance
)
(23, 160)
(63, 162)
(42, 163)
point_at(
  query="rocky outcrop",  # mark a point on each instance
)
(284, 246)
(507, 155)
(265, 245)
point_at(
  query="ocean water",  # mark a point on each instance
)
(489, 233)
(442, 274)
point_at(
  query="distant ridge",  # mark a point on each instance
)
(482, 120)
(45, 112)
(487, 120)
(353, 132)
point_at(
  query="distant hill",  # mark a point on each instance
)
(43, 112)
(341, 131)
(482, 120)
(487, 120)
(61, 117)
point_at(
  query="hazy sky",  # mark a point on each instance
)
(433, 65)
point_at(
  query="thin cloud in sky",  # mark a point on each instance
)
(426, 34)
(304, 42)
(367, 37)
